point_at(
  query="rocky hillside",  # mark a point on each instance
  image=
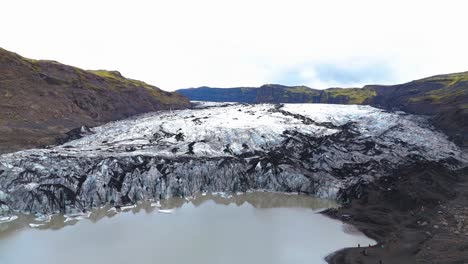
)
(445, 97)
(42, 100)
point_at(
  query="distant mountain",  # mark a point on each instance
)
(445, 97)
(42, 100)
(239, 94)
(275, 93)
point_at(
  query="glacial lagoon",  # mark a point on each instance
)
(241, 228)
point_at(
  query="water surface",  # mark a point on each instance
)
(248, 228)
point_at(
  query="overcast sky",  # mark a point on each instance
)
(188, 43)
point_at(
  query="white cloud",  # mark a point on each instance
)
(185, 43)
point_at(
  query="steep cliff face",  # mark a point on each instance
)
(41, 100)
(444, 97)
(315, 149)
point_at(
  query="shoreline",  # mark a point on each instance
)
(408, 214)
(416, 216)
(225, 198)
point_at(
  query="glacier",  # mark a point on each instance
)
(316, 149)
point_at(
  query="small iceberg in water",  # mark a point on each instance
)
(36, 225)
(76, 216)
(156, 204)
(166, 211)
(125, 208)
(43, 218)
(7, 219)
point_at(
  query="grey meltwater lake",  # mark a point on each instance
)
(246, 228)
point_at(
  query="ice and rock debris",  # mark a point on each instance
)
(220, 147)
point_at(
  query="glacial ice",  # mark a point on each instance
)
(221, 147)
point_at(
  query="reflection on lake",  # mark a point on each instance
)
(248, 228)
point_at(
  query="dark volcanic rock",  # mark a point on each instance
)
(417, 214)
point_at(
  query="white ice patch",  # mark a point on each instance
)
(156, 204)
(69, 219)
(31, 186)
(77, 216)
(36, 225)
(166, 211)
(3, 196)
(43, 218)
(125, 208)
(7, 219)
(223, 195)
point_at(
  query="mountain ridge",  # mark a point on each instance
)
(444, 97)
